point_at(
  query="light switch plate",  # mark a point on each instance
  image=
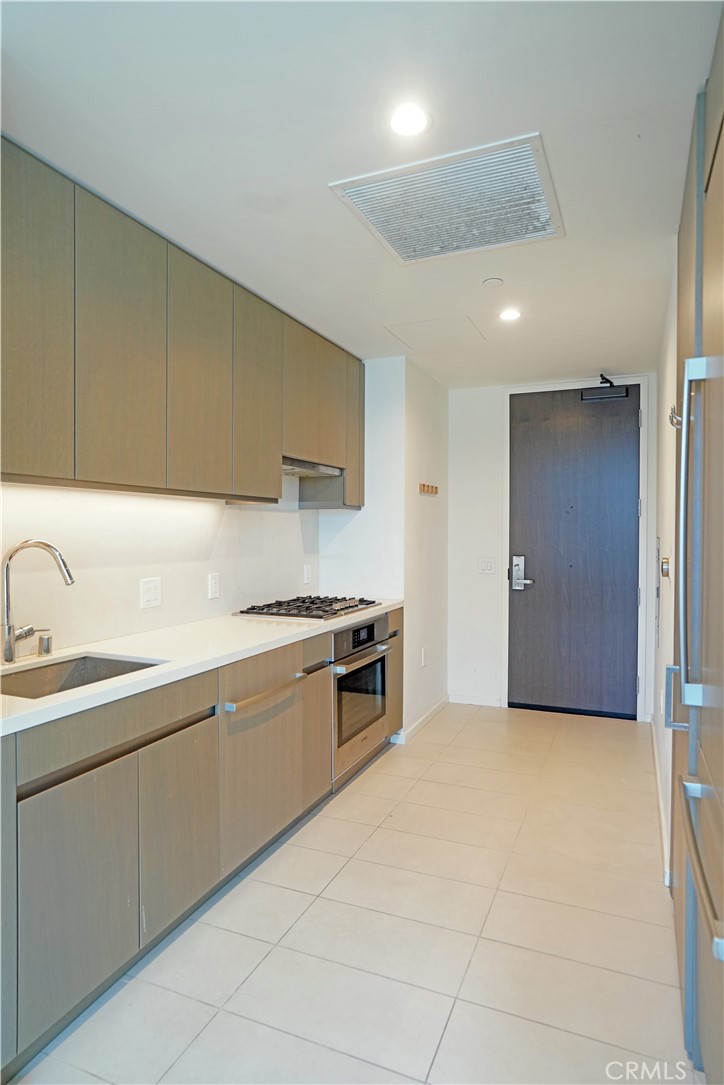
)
(151, 592)
(213, 585)
(486, 566)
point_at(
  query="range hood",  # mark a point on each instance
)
(305, 469)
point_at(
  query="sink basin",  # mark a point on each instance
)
(67, 674)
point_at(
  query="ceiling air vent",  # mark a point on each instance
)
(483, 198)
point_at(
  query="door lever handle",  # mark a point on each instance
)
(518, 581)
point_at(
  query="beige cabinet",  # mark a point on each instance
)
(37, 318)
(315, 397)
(260, 751)
(257, 397)
(200, 379)
(78, 887)
(395, 677)
(8, 902)
(317, 737)
(120, 348)
(354, 481)
(178, 787)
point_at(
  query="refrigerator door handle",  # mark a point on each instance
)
(696, 369)
(669, 721)
(692, 788)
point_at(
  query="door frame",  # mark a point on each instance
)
(647, 529)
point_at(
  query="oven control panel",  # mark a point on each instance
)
(358, 637)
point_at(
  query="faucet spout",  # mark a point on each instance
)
(9, 635)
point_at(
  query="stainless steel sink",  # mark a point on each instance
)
(67, 674)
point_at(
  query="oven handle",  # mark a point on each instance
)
(369, 657)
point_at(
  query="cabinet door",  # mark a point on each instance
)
(120, 348)
(179, 824)
(257, 397)
(37, 318)
(315, 397)
(354, 492)
(78, 884)
(395, 675)
(200, 346)
(317, 737)
(260, 751)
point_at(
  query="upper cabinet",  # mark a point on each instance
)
(129, 363)
(120, 348)
(258, 336)
(315, 397)
(200, 363)
(37, 318)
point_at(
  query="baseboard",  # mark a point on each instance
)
(663, 827)
(401, 737)
(476, 698)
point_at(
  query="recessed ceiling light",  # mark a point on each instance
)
(509, 314)
(494, 281)
(409, 120)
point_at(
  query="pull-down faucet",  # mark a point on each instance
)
(10, 633)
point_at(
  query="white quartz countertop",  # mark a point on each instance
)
(182, 651)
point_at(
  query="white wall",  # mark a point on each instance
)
(362, 553)
(666, 531)
(112, 540)
(476, 530)
(426, 545)
(397, 545)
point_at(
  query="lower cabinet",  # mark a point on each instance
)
(260, 750)
(393, 715)
(178, 782)
(317, 737)
(78, 891)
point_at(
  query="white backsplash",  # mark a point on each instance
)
(113, 540)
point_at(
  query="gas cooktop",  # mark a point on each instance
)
(320, 607)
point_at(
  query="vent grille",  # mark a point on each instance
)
(483, 198)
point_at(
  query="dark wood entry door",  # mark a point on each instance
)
(574, 516)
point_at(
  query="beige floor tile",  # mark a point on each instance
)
(482, 735)
(387, 1022)
(591, 772)
(256, 909)
(303, 869)
(380, 784)
(440, 732)
(559, 816)
(553, 877)
(330, 834)
(398, 764)
(527, 764)
(542, 722)
(600, 794)
(233, 1051)
(441, 858)
(470, 800)
(483, 832)
(454, 711)
(630, 754)
(486, 1047)
(388, 945)
(47, 1070)
(626, 1011)
(420, 748)
(584, 835)
(135, 1036)
(579, 934)
(203, 962)
(458, 906)
(365, 809)
(506, 783)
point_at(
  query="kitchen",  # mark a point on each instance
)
(396, 547)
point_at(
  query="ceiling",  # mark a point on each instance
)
(222, 125)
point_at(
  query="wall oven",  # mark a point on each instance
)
(359, 694)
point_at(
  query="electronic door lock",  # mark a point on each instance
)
(518, 581)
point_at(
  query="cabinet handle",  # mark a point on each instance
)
(692, 788)
(669, 720)
(232, 708)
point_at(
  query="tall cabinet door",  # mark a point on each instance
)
(258, 340)
(200, 345)
(120, 348)
(315, 397)
(78, 883)
(37, 318)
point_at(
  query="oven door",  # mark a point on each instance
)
(360, 693)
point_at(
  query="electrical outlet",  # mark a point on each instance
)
(213, 585)
(424, 657)
(307, 574)
(151, 592)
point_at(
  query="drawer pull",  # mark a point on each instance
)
(264, 695)
(693, 789)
